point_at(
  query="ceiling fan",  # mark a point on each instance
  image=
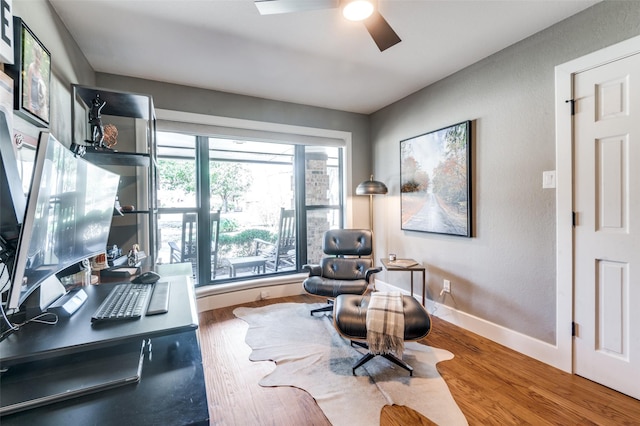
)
(356, 10)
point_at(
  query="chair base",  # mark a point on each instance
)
(369, 356)
(328, 308)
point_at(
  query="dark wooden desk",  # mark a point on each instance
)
(412, 269)
(76, 333)
(171, 389)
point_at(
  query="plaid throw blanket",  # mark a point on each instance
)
(385, 323)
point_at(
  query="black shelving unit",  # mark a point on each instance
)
(106, 158)
(133, 158)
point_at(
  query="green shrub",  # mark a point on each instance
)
(241, 243)
(228, 225)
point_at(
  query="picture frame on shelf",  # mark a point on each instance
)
(31, 73)
(435, 181)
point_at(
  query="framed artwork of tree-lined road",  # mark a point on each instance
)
(435, 183)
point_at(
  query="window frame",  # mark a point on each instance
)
(206, 127)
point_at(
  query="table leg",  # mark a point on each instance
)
(424, 286)
(411, 283)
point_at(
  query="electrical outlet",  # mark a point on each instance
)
(447, 286)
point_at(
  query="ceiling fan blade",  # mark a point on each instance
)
(270, 7)
(381, 31)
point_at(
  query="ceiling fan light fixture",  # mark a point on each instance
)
(357, 10)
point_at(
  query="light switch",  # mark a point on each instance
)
(549, 179)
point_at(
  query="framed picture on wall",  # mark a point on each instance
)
(31, 73)
(435, 183)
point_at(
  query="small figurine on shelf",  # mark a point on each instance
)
(95, 120)
(114, 253)
(78, 150)
(132, 258)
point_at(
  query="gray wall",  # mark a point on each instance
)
(506, 273)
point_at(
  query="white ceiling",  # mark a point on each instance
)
(314, 57)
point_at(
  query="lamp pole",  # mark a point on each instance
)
(371, 187)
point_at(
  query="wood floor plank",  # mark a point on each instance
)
(492, 384)
(235, 398)
(399, 415)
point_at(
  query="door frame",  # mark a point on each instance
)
(564, 189)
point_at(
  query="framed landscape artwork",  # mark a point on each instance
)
(435, 184)
(31, 72)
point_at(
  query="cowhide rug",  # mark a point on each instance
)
(311, 355)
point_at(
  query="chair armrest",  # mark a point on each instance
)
(260, 250)
(371, 271)
(260, 242)
(314, 270)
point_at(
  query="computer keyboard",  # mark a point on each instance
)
(124, 302)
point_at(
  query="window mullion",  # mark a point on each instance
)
(300, 203)
(203, 189)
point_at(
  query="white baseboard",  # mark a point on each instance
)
(223, 295)
(534, 348)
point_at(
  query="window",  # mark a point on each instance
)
(239, 208)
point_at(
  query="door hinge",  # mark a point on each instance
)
(573, 105)
(574, 219)
(574, 326)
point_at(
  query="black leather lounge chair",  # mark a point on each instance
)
(347, 269)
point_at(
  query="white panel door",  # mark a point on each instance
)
(607, 231)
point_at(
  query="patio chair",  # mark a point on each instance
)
(188, 250)
(282, 253)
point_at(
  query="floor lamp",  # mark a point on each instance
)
(371, 187)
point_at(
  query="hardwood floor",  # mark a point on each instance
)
(493, 385)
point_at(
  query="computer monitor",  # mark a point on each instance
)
(67, 219)
(12, 198)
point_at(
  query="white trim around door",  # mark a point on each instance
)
(564, 189)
